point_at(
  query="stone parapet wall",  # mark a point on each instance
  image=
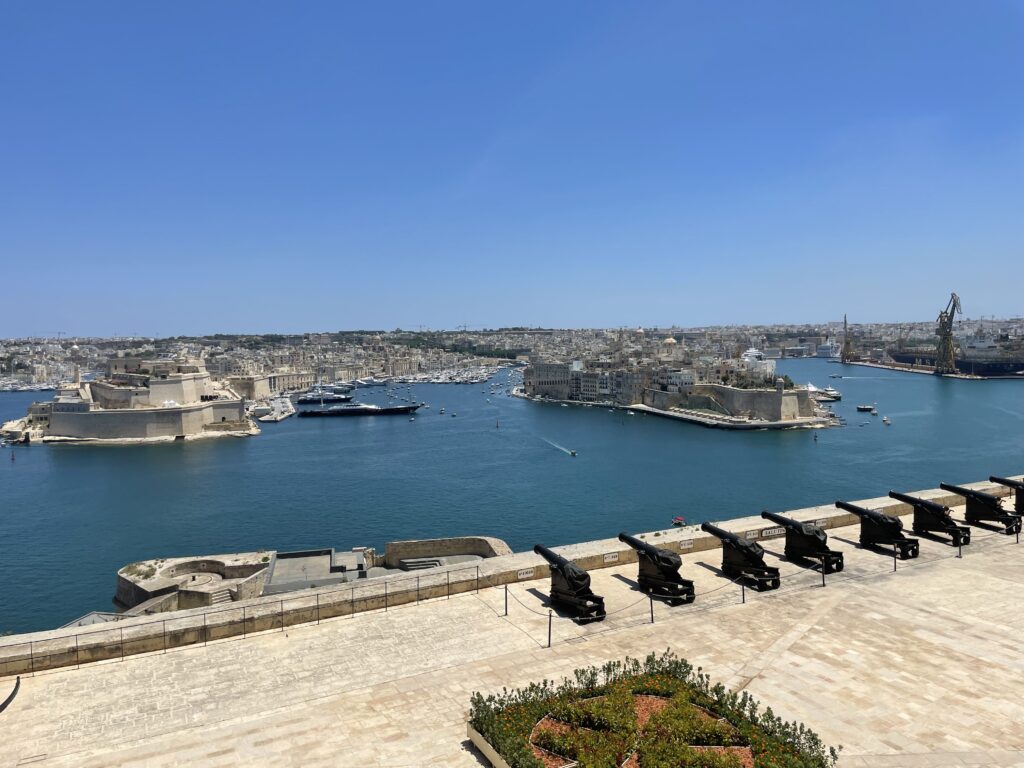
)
(23, 654)
(483, 546)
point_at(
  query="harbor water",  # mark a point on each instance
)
(70, 516)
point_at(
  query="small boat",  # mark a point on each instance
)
(865, 408)
(454, 415)
(572, 453)
(886, 421)
(678, 520)
(441, 412)
(565, 405)
(835, 375)
(874, 411)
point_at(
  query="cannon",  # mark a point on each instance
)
(570, 587)
(879, 528)
(744, 559)
(985, 506)
(806, 541)
(932, 517)
(1018, 487)
(659, 572)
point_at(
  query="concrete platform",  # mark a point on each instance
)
(921, 667)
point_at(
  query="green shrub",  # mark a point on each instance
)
(604, 730)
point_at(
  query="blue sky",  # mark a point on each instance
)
(199, 167)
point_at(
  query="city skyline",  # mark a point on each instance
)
(572, 166)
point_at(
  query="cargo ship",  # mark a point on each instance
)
(360, 409)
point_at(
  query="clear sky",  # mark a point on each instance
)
(193, 167)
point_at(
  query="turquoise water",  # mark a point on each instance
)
(72, 515)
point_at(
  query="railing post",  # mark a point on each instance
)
(164, 630)
(549, 628)
(651, 598)
(32, 658)
(385, 597)
(122, 643)
(506, 599)
(894, 557)
(743, 593)
(448, 580)
(206, 630)
(78, 661)
(317, 607)
(478, 579)
(352, 603)
(417, 590)
(281, 603)
(243, 622)
(823, 574)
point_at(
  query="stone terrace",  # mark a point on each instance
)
(921, 667)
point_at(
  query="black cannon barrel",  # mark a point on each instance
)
(786, 522)
(914, 501)
(1017, 484)
(640, 546)
(871, 514)
(721, 533)
(552, 557)
(970, 493)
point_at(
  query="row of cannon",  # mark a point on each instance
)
(743, 559)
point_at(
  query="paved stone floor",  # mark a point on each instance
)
(922, 667)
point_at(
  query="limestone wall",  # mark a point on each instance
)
(484, 546)
(22, 654)
(143, 423)
(768, 405)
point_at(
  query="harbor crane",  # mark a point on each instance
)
(945, 357)
(847, 355)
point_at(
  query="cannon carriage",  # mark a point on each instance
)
(880, 529)
(744, 559)
(659, 572)
(932, 517)
(570, 587)
(984, 507)
(1018, 491)
(806, 541)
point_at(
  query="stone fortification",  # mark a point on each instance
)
(37, 651)
(483, 546)
(761, 404)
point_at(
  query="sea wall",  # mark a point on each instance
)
(142, 423)
(763, 404)
(23, 654)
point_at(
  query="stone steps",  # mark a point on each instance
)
(220, 596)
(418, 563)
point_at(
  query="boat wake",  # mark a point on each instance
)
(562, 448)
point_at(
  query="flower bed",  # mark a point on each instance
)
(655, 713)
